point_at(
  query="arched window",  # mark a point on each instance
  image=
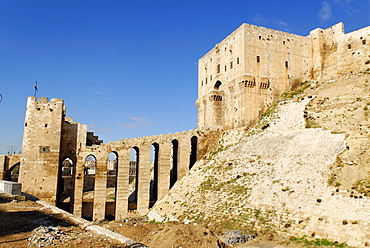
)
(217, 85)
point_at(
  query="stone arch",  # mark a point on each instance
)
(174, 162)
(13, 172)
(66, 184)
(193, 151)
(133, 177)
(217, 85)
(154, 174)
(111, 186)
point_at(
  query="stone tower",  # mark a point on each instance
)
(41, 148)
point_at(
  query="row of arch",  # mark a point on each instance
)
(113, 166)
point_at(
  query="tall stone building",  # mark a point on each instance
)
(243, 74)
(41, 147)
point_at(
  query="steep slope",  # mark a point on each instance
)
(343, 106)
(284, 177)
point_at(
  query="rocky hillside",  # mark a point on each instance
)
(302, 170)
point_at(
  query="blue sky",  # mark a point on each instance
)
(128, 68)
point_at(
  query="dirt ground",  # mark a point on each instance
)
(20, 218)
(175, 235)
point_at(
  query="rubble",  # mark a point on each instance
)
(47, 236)
(237, 237)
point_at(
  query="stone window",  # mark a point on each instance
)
(225, 67)
(46, 125)
(286, 64)
(264, 85)
(259, 37)
(363, 42)
(258, 59)
(44, 149)
(210, 77)
(231, 64)
(349, 46)
(218, 68)
(206, 80)
(237, 61)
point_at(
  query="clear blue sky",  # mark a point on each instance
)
(128, 68)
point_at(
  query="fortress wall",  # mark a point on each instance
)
(335, 52)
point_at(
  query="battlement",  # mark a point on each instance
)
(43, 100)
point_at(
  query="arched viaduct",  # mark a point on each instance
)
(159, 161)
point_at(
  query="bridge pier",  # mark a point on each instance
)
(100, 189)
(143, 188)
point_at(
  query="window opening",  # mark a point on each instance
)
(217, 85)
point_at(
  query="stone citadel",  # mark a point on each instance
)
(238, 80)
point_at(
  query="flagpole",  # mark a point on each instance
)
(35, 86)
